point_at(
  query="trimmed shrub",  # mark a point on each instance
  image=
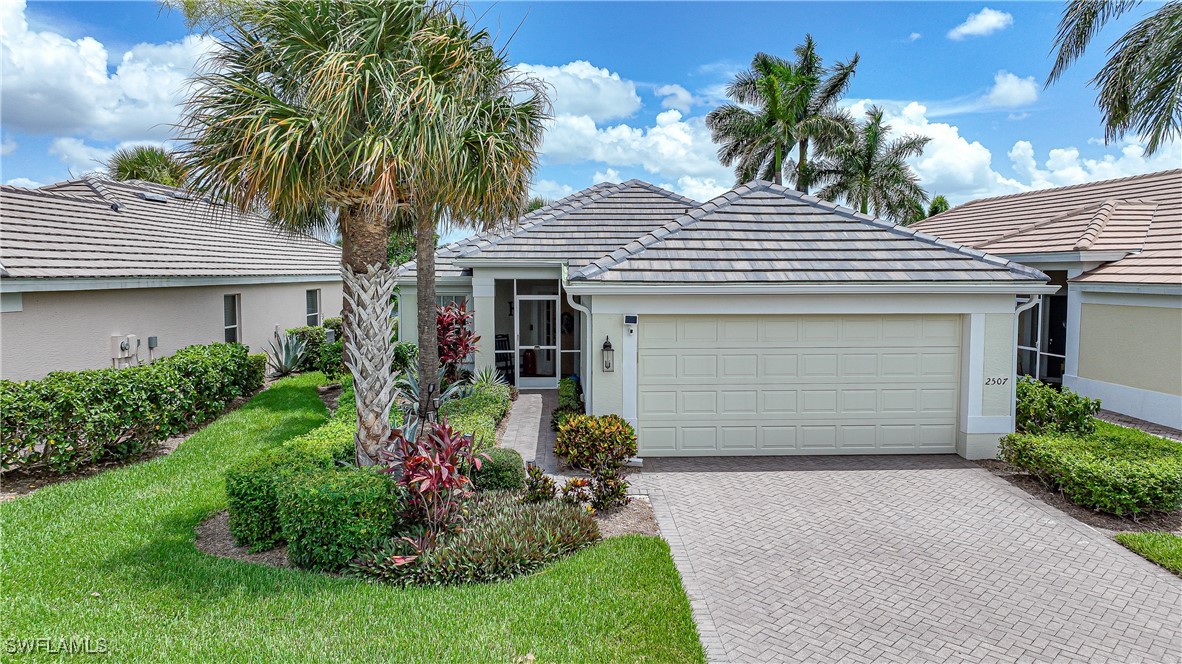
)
(330, 518)
(1041, 409)
(313, 338)
(568, 395)
(501, 537)
(331, 362)
(329, 444)
(502, 469)
(256, 373)
(252, 494)
(584, 439)
(71, 418)
(1117, 470)
(479, 413)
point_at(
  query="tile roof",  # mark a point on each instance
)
(1141, 214)
(577, 229)
(765, 233)
(98, 228)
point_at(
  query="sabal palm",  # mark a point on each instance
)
(148, 163)
(386, 112)
(781, 105)
(1140, 86)
(870, 171)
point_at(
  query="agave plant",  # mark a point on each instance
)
(487, 377)
(286, 353)
(409, 395)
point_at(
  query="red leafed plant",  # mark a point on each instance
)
(456, 339)
(432, 469)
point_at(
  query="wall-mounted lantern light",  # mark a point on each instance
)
(609, 356)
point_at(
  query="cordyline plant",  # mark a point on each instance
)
(455, 336)
(432, 469)
(362, 116)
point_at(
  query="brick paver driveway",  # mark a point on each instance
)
(900, 559)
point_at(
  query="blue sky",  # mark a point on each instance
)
(631, 83)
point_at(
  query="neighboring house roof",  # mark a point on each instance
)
(99, 228)
(762, 232)
(1141, 215)
(577, 229)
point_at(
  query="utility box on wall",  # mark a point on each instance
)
(123, 346)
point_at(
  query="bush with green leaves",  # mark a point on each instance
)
(569, 397)
(478, 413)
(329, 518)
(586, 439)
(539, 487)
(313, 338)
(501, 537)
(252, 494)
(405, 355)
(336, 324)
(1117, 470)
(71, 418)
(331, 362)
(256, 373)
(1041, 409)
(502, 469)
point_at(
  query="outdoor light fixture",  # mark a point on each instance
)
(609, 356)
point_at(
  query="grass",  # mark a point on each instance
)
(112, 557)
(1165, 549)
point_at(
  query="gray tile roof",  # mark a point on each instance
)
(765, 233)
(577, 229)
(1141, 214)
(98, 228)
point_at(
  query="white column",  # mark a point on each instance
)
(484, 306)
(1074, 320)
(628, 362)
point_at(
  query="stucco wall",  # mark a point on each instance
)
(73, 329)
(607, 388)
(1136, 346)
(998, 362)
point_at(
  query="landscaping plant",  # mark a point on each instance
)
(256, 373)
(455, 338)
(583, 439)
(1041, 409)
(1117, 470)
(331, 361)
(314, 338)
(287, 353)
(539, 487)
(576, 491)
(570, 403)
(502, 470)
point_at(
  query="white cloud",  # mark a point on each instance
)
(56, 85)
(551, 190)
(609, 175)
(1010, 91)
(985, 22)
(915, 36)
(1064, 166)
(7, 146)
(23, 182)
(580, 88)
(699, 189)
(82, 157)
(1017, 116)
(675, 96)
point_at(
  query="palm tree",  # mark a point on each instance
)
(365, 115)
(781, 105)
(1141, 84)
(536, 203)
(915, 211)
(870, 172)
(146, 162)
(939, 204)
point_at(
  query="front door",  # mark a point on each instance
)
(537, 341)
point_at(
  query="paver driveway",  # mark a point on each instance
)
(909, 558)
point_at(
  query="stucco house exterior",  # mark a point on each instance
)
(1113, 249)
(97, 273)
(763, 322)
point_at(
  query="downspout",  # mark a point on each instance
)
(1034, 300)
(585, 353)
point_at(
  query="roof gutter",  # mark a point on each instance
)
(587, 322)
(977, 288)
(54, 284)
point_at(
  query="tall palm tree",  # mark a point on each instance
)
(778, 106)
(1141, 84)
(917, 213)
(870, 172)
(384, 113)
(146, 162)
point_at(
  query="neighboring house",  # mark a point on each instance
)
(97, 273)
(1113, 329)
(761, 322)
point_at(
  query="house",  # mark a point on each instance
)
(1113, 328)
(97, 273)
(763, 322)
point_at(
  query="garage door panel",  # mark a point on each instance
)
(797, 384)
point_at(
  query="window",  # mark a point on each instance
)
(312, 300)
(445, 300)
(230, 317)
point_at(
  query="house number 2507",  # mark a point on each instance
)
(996, 381)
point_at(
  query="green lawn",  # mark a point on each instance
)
(1165, 549)
(127, 534)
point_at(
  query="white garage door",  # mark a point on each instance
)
(738, 385)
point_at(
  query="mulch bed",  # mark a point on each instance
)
(214, 538)
(635, 518)
(1110, 523)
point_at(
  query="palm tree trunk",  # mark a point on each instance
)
(802, 183)
(428, 329)
(369, 290)
(779, 166)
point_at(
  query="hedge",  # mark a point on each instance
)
(1117, 470)
(502, 469)
(1042, 409)
(332, 517)
(313, 338)
(479, 413)
(252, 494)
(71, 418)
